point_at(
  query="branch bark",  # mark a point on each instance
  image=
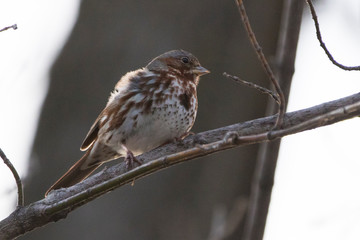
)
(58, 204)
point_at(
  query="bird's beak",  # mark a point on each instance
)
(199, 70)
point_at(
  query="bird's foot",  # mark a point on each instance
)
(130, 160)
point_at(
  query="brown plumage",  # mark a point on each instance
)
(148, 107)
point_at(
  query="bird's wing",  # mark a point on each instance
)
(121, 89)
(98, 124)
(92, 134)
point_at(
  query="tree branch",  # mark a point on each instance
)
(59, 203)
(322, 44)
(266, 161)
(17, 178)
(264, 62)
(6, 28)
(253, 85)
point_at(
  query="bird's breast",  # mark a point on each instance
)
(156, 117)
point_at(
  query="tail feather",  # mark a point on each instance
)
(75, 174)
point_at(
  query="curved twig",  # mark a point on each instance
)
(16, 176)
(322, 44)
(264, 62)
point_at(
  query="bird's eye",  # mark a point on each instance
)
(185, 60)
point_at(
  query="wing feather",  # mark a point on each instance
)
(92, 135)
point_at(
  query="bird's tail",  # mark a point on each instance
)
(78, 172)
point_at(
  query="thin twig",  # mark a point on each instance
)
(263, 177)
(16, 176)
(253, 85)
(264, 63)
(6, 28)
(322, 44)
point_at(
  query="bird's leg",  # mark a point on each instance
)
(185, 135)
(130, 159)
(178, 140)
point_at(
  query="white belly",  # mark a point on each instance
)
(163, 123)
(143, 132)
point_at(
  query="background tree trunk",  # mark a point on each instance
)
(113, 37)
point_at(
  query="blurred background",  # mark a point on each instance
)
(59, 67)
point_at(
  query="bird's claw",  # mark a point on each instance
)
(130, 160)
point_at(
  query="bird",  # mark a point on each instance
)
(148, 108)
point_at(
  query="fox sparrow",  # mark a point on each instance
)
(148, 107)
